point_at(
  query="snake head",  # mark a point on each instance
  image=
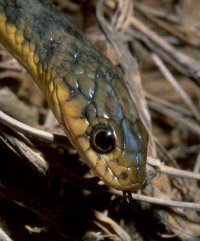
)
(106, 129)
(97, 113)
(117, 136)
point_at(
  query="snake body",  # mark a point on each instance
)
(84, 90)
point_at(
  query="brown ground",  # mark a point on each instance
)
(45, 193)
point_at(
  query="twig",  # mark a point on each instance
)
(32, 132)
(159, 13)
(119, 20)
(168, 75)
(180, 183)
(169, 105)
(4, 236)
(177, 117)
(184, 63)
(185, 6)
(145, 11)
(171, 170)
(110, 223)
(11, 64)
(197, 164)
(5, 66)
(161, 202)
(21, 149)
(182, 151)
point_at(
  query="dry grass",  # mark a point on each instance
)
(48, 193)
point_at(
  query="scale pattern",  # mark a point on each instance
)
(81, 85)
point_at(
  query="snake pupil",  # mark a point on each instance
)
(103, 139)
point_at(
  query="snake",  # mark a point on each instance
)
(84, 90)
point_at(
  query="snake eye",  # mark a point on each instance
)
(102, 139)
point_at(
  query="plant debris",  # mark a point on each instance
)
(48, 193)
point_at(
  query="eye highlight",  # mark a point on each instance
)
(102, 138)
